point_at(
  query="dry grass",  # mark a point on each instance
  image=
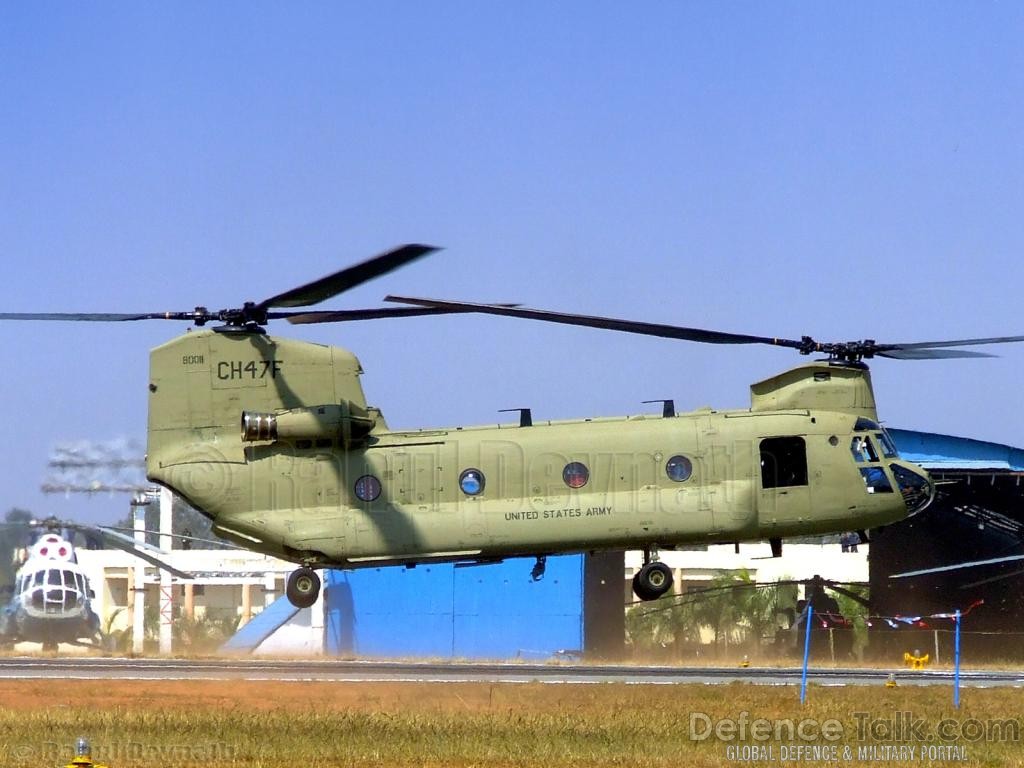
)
(220, 724)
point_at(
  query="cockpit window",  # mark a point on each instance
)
(875, 480)
(53, 577)
(863, 450)
(865, 425)
(888, 446)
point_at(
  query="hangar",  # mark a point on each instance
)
(978, 514)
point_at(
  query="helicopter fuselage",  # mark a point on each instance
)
(50, 603)
(273, 440)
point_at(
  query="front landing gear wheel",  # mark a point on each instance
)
(303, 587)
(652, 581)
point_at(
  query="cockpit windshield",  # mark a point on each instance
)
(53, 590)
(888, 446)
(862, 449)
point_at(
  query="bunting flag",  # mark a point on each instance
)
(828, 620)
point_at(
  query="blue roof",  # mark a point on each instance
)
(934, 451)
(261, 626)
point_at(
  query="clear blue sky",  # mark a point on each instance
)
(844, 171)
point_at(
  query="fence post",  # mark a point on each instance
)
(807, 653)
(956, 661)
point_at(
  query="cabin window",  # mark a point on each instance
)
(367, 488)
(679, 468)
(472, 482)
(863, 450)
(783, 462)
(304, 444)
(575, 474)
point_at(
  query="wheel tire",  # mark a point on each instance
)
(652, 581)
(303, 587)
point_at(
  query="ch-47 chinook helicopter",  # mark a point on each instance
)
(273, 439)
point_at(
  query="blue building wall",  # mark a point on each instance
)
(488, 611)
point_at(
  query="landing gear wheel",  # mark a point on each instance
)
(652, 581)
(303, 587)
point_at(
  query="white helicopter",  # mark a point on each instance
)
(51, 601)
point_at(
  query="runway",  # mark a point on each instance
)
(92, 668)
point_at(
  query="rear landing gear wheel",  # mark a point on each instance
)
(652, 581)
(303, 587)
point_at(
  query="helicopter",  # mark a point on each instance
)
(273, 439)
(51, 597)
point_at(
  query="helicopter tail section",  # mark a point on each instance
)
(214, 393)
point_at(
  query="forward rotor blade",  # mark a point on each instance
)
(350, 277)
(952, 343)
(608, 323)
(931, 354)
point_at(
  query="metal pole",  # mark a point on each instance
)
(807, 653)
(936, 646)
(166, 604)
(956, 662)
(139, 504)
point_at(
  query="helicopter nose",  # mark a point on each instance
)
(916, 486)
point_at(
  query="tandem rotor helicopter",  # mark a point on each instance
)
(274, 441)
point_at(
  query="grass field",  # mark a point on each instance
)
(219, 724)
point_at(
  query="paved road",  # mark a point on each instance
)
(91, 668)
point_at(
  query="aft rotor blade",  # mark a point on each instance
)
(378, 313)
(341, 281)
(349, 315)
(96, 317)
(608, 323)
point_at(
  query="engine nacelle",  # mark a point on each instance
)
(345, 421)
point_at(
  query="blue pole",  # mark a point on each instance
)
(807, 653)
(956, 661)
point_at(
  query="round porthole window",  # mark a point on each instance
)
(575, 474)
(678, 468)
(471, 481)
(367, 488)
